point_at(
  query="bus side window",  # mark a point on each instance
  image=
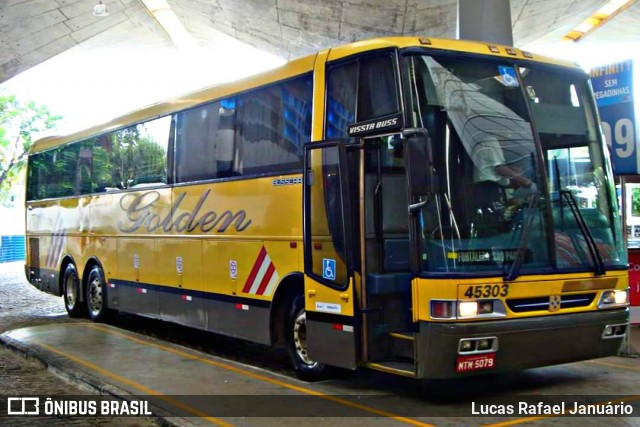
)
(377, 95)
(107, 165)
(341, 99)
(64, 160)
(196, 137)
(138, 155)
(40, 171)
(224, 150)
(372, 80)
(151, 156)
(274, 123)
(84, 168)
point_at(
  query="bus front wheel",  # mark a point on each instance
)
(306, 368)
(96, 296)
(71, 292)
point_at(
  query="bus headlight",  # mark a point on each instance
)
(467, 308)
(473, 308)
(614, 298)
(621, 297)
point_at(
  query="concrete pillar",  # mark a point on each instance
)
(485, 20)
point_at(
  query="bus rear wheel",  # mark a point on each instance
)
(96, 296)
(306, 368)
(71, 292)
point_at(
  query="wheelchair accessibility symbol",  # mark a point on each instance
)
(509, 77)
(329, 269)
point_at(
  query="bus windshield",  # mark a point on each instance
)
(508, 191)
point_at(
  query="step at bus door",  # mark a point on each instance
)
(332, 326)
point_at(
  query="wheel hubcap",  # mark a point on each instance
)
(300, 338)
(95, 296)
(70, 292)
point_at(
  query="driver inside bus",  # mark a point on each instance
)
(496, 139)
(498, 184)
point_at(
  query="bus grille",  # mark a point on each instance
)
(523, 305)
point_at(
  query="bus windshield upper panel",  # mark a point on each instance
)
(578, 172)
(490, 207)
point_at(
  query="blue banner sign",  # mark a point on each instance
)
(613, 90)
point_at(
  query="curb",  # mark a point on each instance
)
(87, 381)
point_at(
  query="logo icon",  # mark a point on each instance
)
(329, 269)
(23, 406)
(554, 303)
(509, 77)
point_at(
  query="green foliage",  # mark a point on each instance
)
(118, 160)
(19, 122)
(129, 160)
(635, 202)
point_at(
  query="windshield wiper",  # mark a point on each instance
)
(524, 238)
(598, 263)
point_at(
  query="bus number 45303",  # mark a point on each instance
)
(487, 291)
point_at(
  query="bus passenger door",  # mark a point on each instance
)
(330, 283)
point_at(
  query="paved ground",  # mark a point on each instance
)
(23, 305)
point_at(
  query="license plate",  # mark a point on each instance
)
(476, 362)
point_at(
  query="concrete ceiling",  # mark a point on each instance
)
(32, 31)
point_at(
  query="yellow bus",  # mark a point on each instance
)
(428, 208)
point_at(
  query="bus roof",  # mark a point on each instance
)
(290, 69)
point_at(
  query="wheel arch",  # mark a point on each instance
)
(291, 285)
(66, 260)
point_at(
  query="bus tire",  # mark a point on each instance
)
(71, 291)
(96, 296)
(305, 368)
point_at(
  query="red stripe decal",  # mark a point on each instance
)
(254, 270)
(265, 279)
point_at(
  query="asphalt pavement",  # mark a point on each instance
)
(22, 305)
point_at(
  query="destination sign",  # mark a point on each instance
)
(488, 256)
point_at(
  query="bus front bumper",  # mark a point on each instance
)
(522, 343)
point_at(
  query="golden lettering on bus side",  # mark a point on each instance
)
(139, 211)
(181, 221)
(208, 218)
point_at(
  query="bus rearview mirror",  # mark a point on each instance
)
(419, 163)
